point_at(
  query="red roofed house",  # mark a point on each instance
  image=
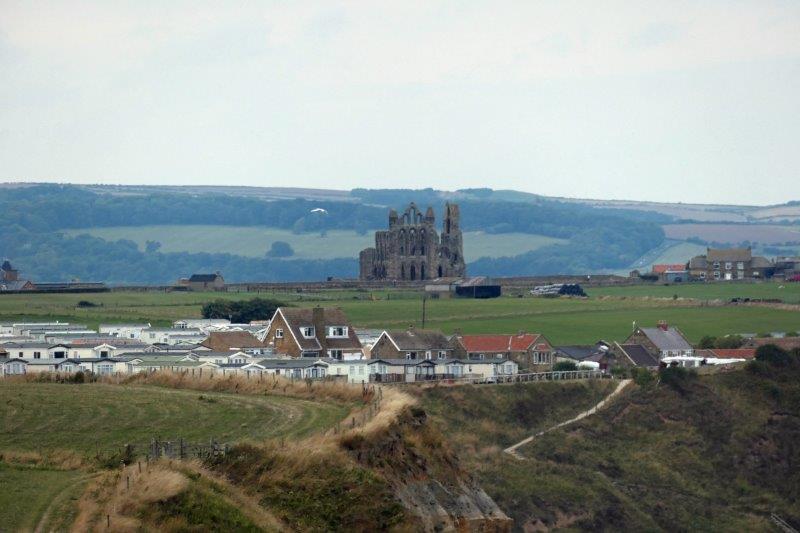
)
(660, 269)
(733, 353)
(530, 350)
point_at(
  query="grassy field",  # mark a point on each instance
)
(45, 417)
(28, 492)
(254, 241)
(788, 292)
(564, 321)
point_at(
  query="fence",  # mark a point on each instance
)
(509, 378)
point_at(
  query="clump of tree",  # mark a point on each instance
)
(280, 249)
(677, 377)
(242, 311)
(727, 342)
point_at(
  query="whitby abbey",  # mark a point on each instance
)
(411, 249)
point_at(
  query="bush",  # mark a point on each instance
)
(86, 303)
(619, 372)
(676, 377)
(565, 366)
(642, 376)
(774, 355)
(730, 342)
(707, 342)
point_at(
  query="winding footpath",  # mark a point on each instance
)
(512, 450)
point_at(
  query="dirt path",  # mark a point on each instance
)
(58, 500)
(512, 450)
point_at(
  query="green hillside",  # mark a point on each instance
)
(254, 241)
(711, 453)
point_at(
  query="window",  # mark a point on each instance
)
(740, 265)
(21, 354)
(352, 369)
(728, 265)
(104, 353)
(310, 354)
(428, 355)
(278, 333)
(335, 354)
(307, 331)
(716, 265)
(442, 354)
(408, 355)
(337, 331)
(361, 370)
(716, 275)
(37, 355)
(702, 275)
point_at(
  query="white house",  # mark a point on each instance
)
(123, 331)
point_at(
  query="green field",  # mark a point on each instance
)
(564, 321)
(787, 292)
(254, 241)
(45, 417)
(28, 492)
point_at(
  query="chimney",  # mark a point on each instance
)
(662, 325)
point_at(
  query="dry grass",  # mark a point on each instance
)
(240, 384)
(55, 460)
(111, 500)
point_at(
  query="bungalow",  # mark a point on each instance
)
(318, 332)
(412, 344)
(123, 331)
(661, 341)
(221, 341)
(531, 350)
(13, 367)
(200, 323)
(300, 368)
(224, 357)
(173, 336)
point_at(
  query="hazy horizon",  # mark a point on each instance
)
(639, 101)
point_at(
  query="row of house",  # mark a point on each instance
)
(318, 342)
(726, 264)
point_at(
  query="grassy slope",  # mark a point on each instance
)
(85, 418)
(563, 321)
(27, 494)
(254, 241)
(718, 455)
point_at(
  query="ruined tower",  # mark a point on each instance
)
(411, 249)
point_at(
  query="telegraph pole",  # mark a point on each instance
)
(424, 301)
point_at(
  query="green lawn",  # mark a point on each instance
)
(27, 493)
(85, 418)
(254, 241)
(564, 321)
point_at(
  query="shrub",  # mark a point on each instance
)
(619, 371)
(676, 377)
(707, 342)
(242, 311)
(86, 303)
(774, 355)
(642, 377)
(730, 342)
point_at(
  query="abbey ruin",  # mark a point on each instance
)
(411, 248)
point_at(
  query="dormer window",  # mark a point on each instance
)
(337, 331)
(307, 332)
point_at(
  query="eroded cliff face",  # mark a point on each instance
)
(426, 476)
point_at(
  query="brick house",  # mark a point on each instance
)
(412, 344)
(729, 264)
(317, 332)
(529, 350)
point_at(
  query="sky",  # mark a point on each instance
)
(679, 101)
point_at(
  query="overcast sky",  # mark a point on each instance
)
(665, 100)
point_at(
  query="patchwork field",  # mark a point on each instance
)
(734, 233)
(253, 241)
(609, 312)
(46, 417)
